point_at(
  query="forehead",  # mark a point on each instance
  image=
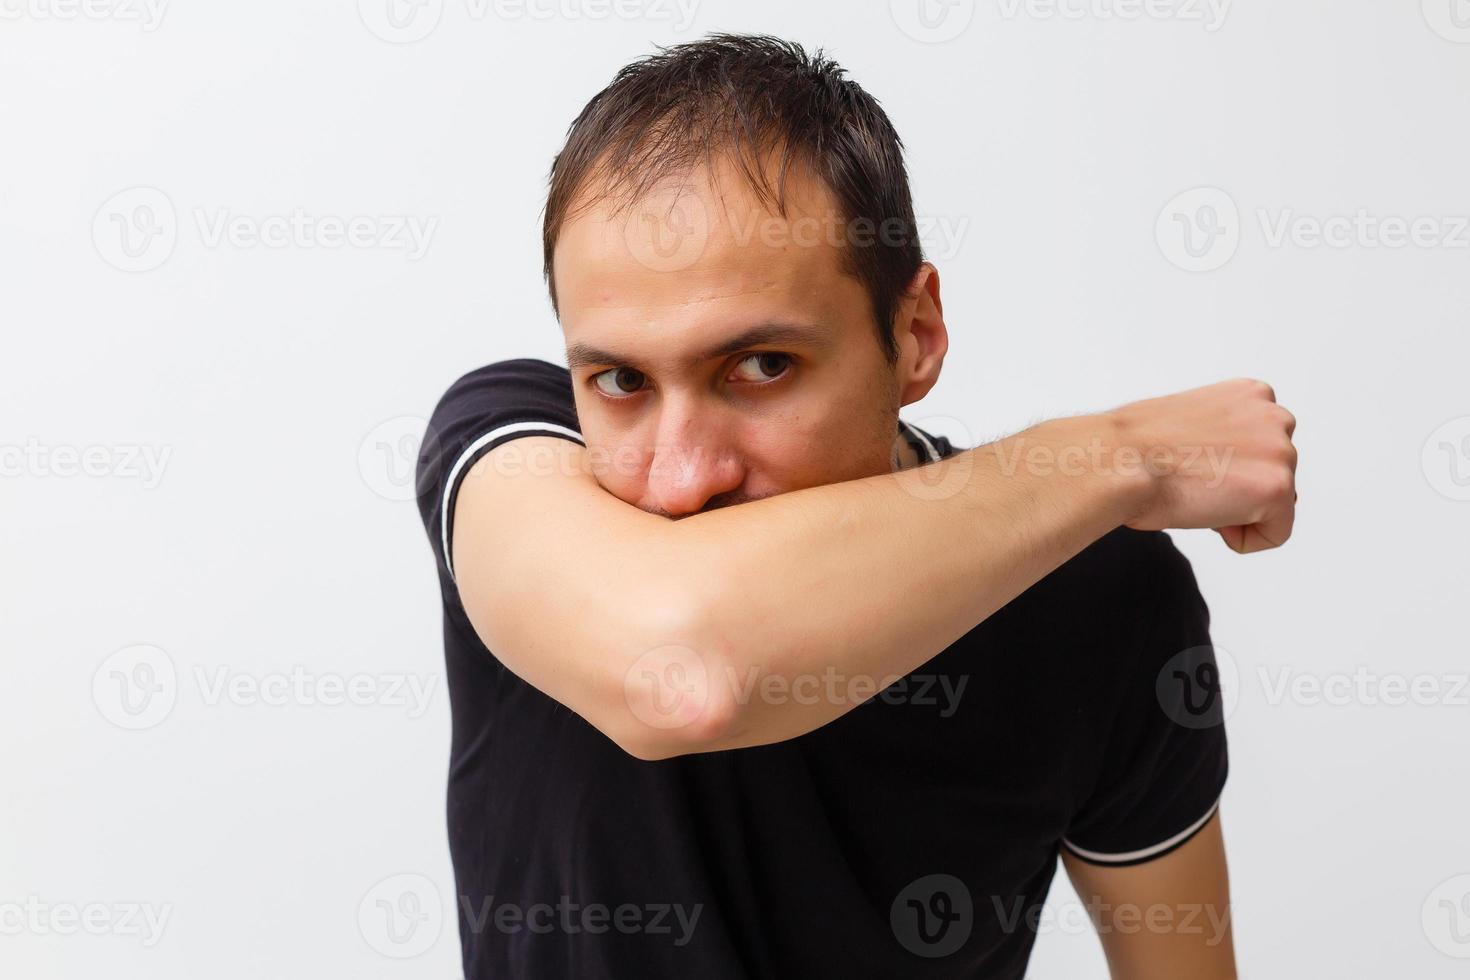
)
(700, 255)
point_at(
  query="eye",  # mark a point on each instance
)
(619, 382)
(763, 367)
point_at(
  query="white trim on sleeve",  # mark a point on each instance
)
(452, 484)
(1145, 853)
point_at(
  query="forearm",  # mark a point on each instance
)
(847, 587)
(661, 633)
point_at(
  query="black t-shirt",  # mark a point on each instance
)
(914, 837)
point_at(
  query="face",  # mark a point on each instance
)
(720, 354)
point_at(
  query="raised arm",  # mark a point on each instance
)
(664, 634)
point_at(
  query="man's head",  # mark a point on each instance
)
(731, 247)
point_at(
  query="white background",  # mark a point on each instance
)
(285, 384)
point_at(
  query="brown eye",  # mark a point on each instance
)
(762, 367)
(620, 382)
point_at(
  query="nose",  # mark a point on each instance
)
(692, 463)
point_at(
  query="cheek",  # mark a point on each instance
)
(799, 449)
(621, 467)
(614, 452)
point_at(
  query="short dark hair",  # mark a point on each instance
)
(749, 96)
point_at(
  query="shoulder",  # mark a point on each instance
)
(524, 381)
(493, 404)
(510, 391)
(481, 410)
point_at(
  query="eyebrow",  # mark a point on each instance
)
(775, 332)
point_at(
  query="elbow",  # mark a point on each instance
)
(672, 701)
(671, 691)
(646, 743)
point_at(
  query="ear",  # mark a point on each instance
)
(921, 336)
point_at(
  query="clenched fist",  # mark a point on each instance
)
(1220, 457)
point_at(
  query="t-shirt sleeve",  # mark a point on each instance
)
(1165, 761)
(484, 409)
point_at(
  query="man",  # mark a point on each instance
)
(845, 728)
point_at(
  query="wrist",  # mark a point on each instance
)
(1134, 485)
(1096, 452)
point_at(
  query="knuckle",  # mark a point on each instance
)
(1282, 483)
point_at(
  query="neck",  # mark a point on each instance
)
(903, 456)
